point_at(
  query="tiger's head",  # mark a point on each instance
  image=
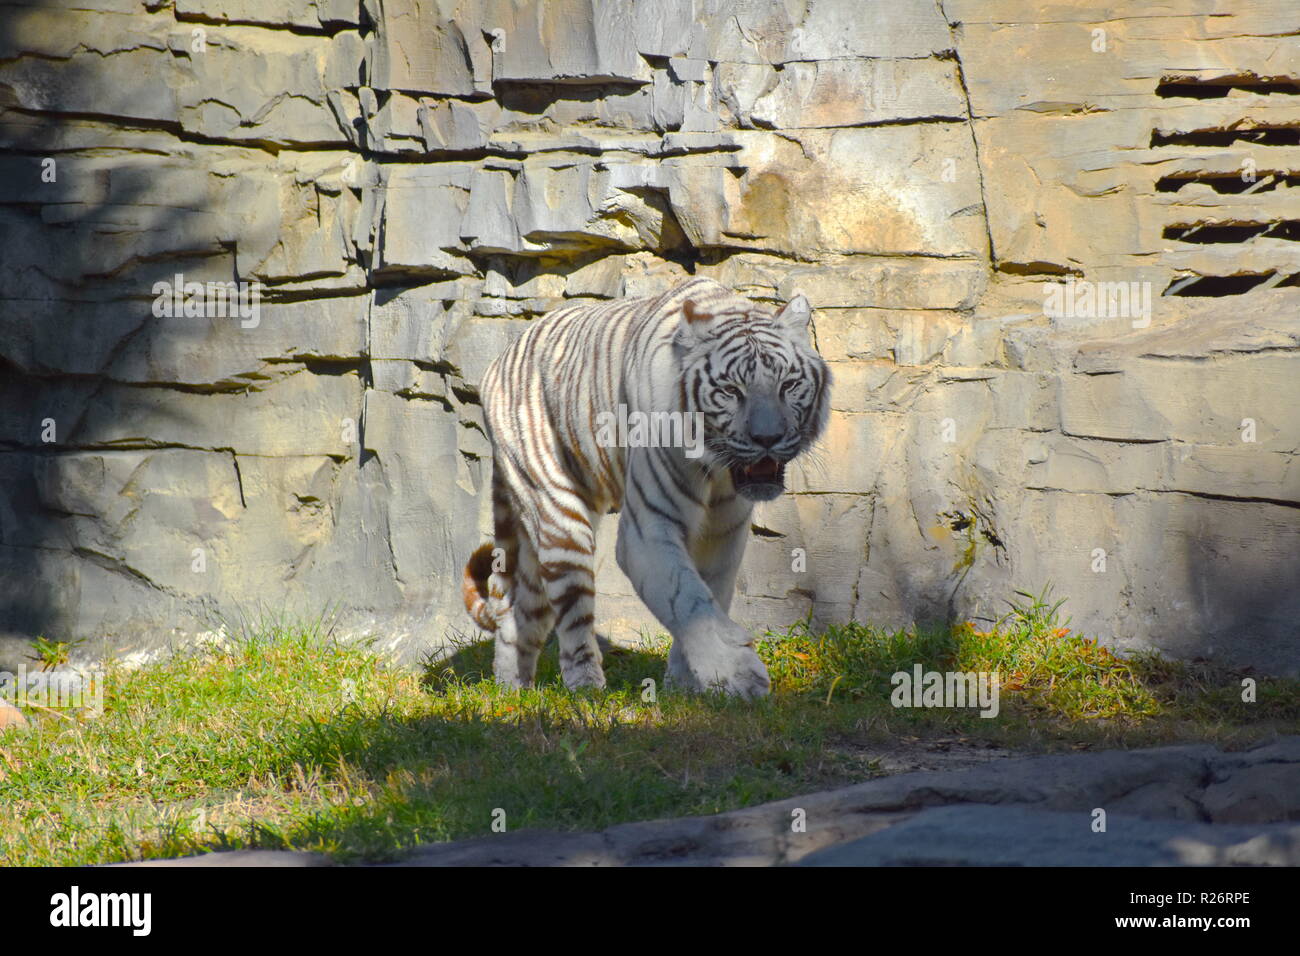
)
(762, 391)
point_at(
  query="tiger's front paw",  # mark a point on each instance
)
(716, 657)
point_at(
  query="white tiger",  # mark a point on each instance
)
(762, 395)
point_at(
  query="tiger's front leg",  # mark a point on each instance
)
(709, 651)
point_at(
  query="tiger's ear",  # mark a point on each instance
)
(796, 315)
(693, 313)
(694, 326)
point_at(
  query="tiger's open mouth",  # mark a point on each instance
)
(761, 480)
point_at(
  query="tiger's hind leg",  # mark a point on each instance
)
(551, 511)
(567, 564)
(523, 613)
(604, 643)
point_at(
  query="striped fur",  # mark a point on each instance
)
(762, 394)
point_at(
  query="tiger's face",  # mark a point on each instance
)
(762, 391)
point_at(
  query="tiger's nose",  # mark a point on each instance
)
(765, 424)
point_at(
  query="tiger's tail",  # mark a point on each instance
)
(474, 587)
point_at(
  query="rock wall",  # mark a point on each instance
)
(958, 186)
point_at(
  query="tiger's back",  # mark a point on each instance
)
(541, 396)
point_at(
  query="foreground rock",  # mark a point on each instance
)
(277, 858)
(1015, 836)
(11, 716)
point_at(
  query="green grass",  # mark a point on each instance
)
(50, 654)
(289, 739)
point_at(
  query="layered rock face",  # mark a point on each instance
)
(1052, 251)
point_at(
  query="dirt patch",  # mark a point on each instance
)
(905, 754)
